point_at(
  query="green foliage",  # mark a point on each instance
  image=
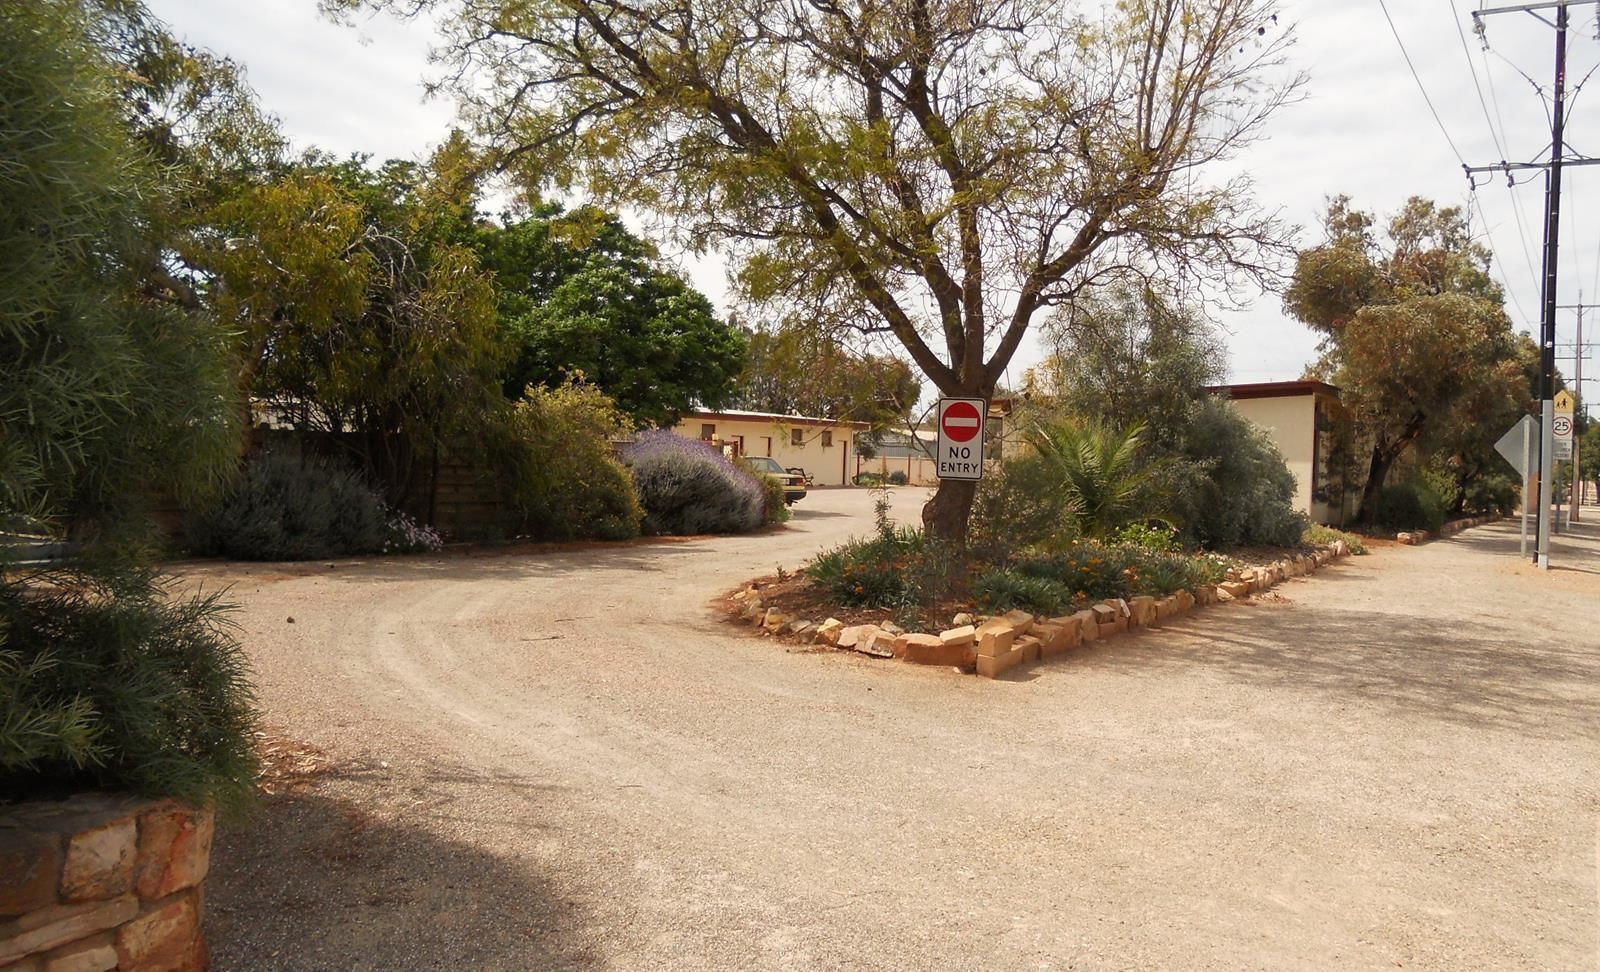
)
(563, 473)
(105, 396)
(1319, 535)
(1131, 357)
(1019, 506)
(286, 507)
(580, 295)
(1157, 536)
(1416, 338)
(1097, 474)
(998, 591)
(898, 478)
(902, 568)
(688, 488)
(800, 368)
(1085, 572)
(777, 508)
(1411, 506)
(1229, 485)
(122, 689)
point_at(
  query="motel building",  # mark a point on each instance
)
(824, 448)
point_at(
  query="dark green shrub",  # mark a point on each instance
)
(1492, 493)
(1410, 506)
(1002, 590)
(293, 508)
(1017, 508)
(686, 487)
(1093, 571)
(1231, 487)
(134, 691)
(564, 478)
(1321, 535)
(1157, 536)
(898, 478)
(777, 510)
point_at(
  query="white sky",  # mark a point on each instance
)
(1364, 130)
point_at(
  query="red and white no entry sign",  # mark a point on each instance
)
(961, 420)
(960, 446)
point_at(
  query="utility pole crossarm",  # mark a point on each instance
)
(1516, 166)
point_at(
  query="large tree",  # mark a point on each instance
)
(1414, 330)
(580, 295)
(943, 171)
(796, 368)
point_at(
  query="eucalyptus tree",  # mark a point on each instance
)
(941, 170)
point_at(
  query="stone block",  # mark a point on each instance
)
(1185, 601)
(1222, 596)
(892, 628)
(1021, 622)
(1166, 607)
(879, 644)
(992, 666)
(96, 954)
(30, 869)
(828, 631)
(853, 635)
(774, 619)
(1088, 625)
(924, 649)
(1049, 636)
(1031, 647)
(100, 861)
(1109, 628)
(995, 639)
(1141, 611)
(163, 937)
(1235, 589)
(174, 849)
(961, 619)
(57, 925)
(956, 637)
(1104, 613)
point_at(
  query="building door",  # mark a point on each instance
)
(769, 445)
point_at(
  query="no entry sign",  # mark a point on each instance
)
(960, 448)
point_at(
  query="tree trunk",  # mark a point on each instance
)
(1377, 472)
(945, 515)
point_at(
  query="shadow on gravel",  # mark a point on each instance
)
(342, 875)
(1475, 673)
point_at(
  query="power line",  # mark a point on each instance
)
(1420, 87)
(1488, 234)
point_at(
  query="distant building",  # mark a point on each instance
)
(1299, 416)
(823, 447)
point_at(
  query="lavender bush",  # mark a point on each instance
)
(687, 487)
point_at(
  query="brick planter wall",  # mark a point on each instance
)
(102, 882)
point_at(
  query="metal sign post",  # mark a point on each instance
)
(1516, 448)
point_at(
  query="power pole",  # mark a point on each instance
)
(1552, 223)
(1579, 487)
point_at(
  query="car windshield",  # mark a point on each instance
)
(765, 464)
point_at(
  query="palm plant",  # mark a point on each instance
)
(1098, 472)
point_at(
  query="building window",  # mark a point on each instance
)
(708, 431)
(797, 437)
(827, 439)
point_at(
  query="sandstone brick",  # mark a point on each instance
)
(162, 936)
(964, 635)
(828, 631)
(1109, 628)
(1141, 610)
(1049, 636)
(174, 849)
(33, 963)
(1235, 589)
(1088, 625)
(96, 954)
(1021, 622)
(853, 635)
(962, 619)
(923, 649)
(990, 666)
(100, 861)
(47, 928)
(995, 639)
(1032, 648)
(1185, 601)
(30, 870)
(879, 644)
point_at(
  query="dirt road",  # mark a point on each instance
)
(564, 761)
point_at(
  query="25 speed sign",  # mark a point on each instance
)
(960, 446)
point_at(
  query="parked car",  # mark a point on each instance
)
(794, 484)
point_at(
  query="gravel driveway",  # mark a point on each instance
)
(564, 761)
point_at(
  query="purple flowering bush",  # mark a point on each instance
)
(688, 487)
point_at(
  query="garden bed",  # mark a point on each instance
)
(952, 631)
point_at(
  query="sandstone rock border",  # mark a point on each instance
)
(99, 882)
(993, 646)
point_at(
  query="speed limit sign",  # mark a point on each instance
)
(1561, 428)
